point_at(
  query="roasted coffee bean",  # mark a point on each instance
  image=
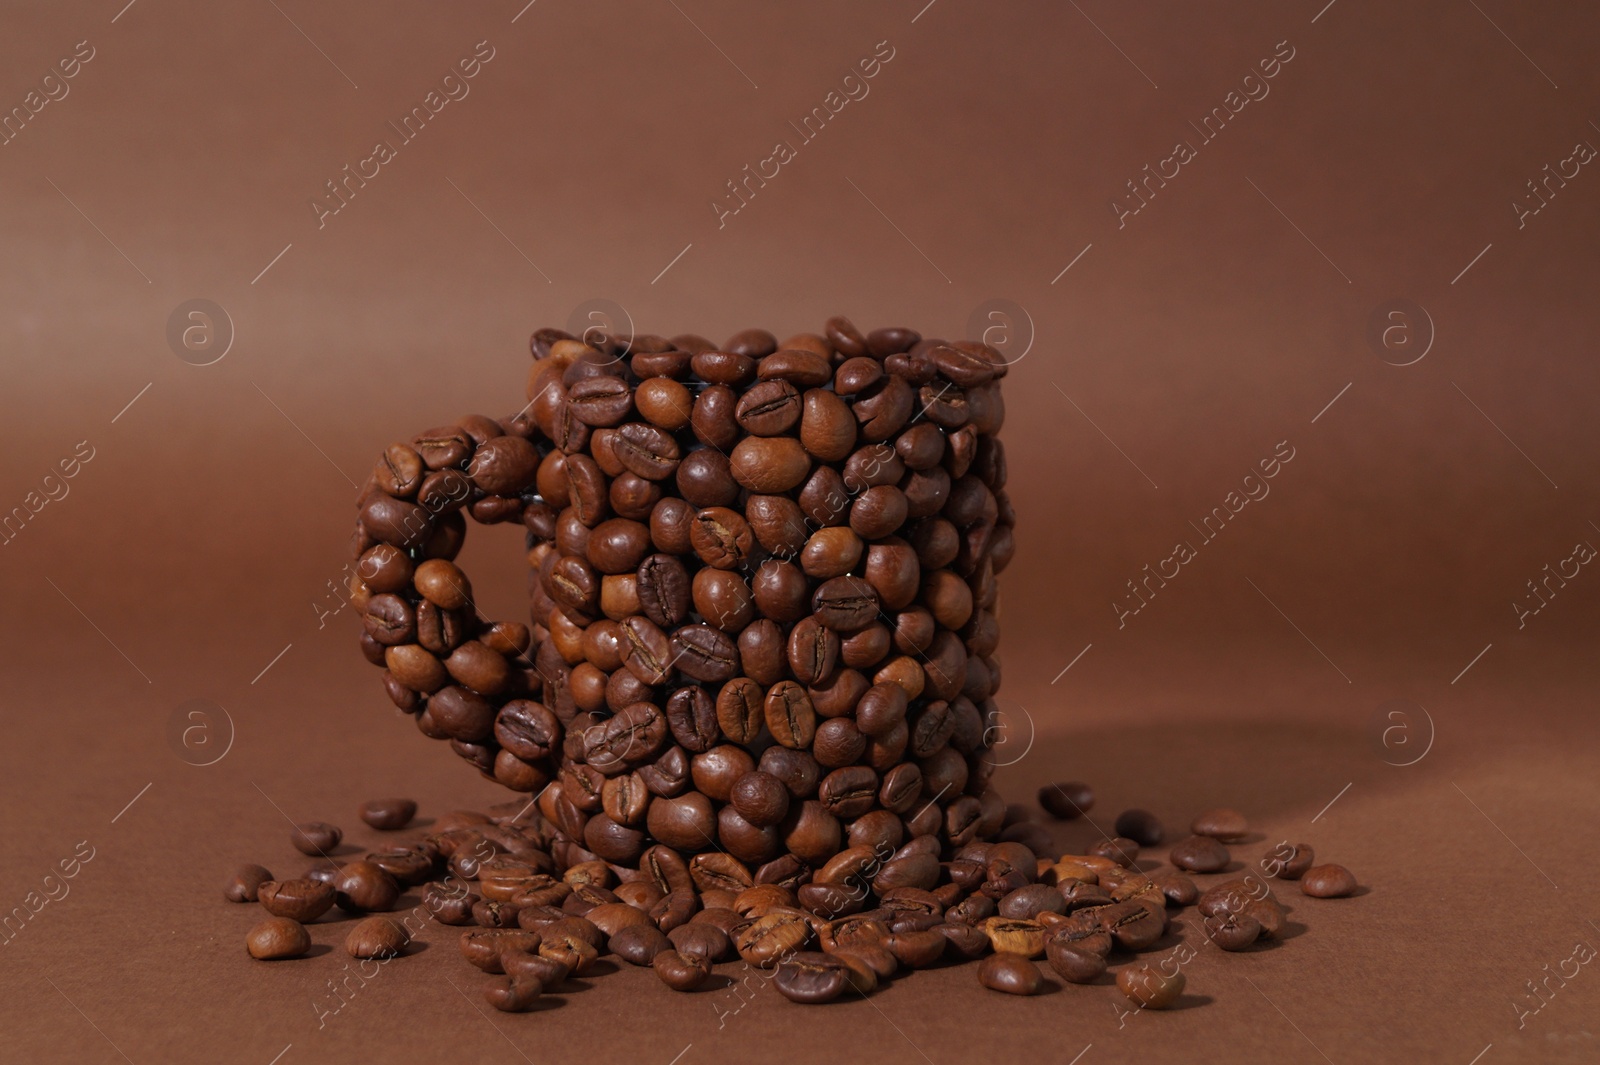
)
(769, 464)
(1151, 987)
(1073, 963)
(770, 938)
(704, 479)
(301, 900)
(811, 977)
(789, 715)
(390, 620)
(646, 650)
(664, 402)
(277, 937)
(1222, 823)
(723, 599)
(601, 401)
(315, 838)
(679, 971)
(721, 537)
(375, 937)
(769, 408)
(831, 552)
(663, 585)
(686, 822)
(363, 887)
(1289, 862)
(408, 865)
(1031, 900)
(647, 450)
(245, 884)
(813, 651)
(703, 653)
(1232, 931)
(1024, 937)
(845, 604)
(514, 994)
(1141, 826)
(692, 716)
(1199, 854)
(1011, 973)
(798, 770)
(716, 771)
(760, 798)
(1178, 889)
(1328, 882)
(388, 815)
(638, 944)
(1121, 850)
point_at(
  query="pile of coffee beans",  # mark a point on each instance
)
(1005, 905)
(763, 599)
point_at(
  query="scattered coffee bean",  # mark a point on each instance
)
(1151, 987)
(1011, 973)
(1222, 823)
(1290, 863)
(810, 977)
(388, 815)
(376, 937)
(277, 937)
(1072, 962)
(245, 883)
(1141, 826)
(1119, 849)
(301, 900)
(364, 887)
(1328, 882)
(315, 838)
(1199, 854)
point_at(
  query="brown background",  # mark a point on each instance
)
(199, 541)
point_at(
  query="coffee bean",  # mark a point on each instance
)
(1221, 823)
(277, 937)
(769, 408)
(388, 815)
(375, 937)
(723, 599)
(638, 944)
(760, 798)
(679, 971)
(1066, 801)
(1289, 863)
(245, 884)
(827, 427)
(647, 450)
(1141, 826)
(514, 994)
(1123, 851)
(721, 537)
(315, 837)
(1072, 962)
(301, 900)
(1328, 882)
(769, 463)
(363, 886)
(1011, 973)
(1199, 854)
(703, 653)
(789, 715)
(1151, 987)
(1232, 931)
(811, 977)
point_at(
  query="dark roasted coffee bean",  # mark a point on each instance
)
(601, 401)
(1141, 826)
(849, 792)
(813, 651)
(838, 742)
(1119, 849)
(703, 479)
(721, 537)
(686, 822)
(1328, 882)
(1011, 973)
(302, 900)
(1288, 860)
(706, 654)
(1222, 823)
(723, 598)
(799, 366)
(663, 585)
(246, 882)
(1199, 854)
(514, 994)
(315, 838)
(1068, 800)
(716, 771)
(647, 450)
(692, 716)
(638, 944)
(646, 650)
(827, 427)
